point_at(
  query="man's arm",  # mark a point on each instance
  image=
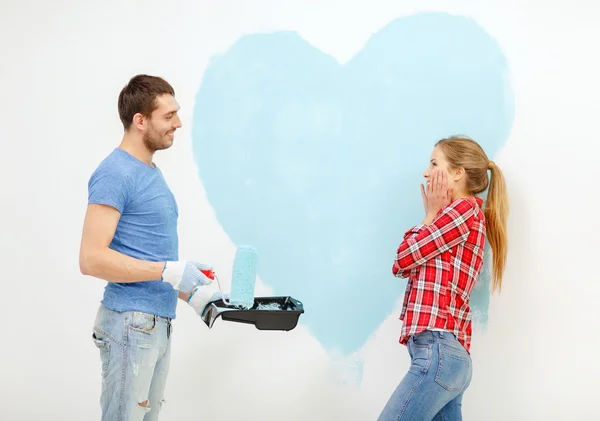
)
(98, 260)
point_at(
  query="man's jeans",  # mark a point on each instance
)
(135, 350)
(439, 373)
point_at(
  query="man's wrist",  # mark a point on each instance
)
(184, 296)
(199, 299)
(172, 273)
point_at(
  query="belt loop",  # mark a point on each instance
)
(441, 333)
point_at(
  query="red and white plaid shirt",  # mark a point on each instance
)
(442, 262)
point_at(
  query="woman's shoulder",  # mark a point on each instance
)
(466, 205)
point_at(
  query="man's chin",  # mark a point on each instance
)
(166, 144)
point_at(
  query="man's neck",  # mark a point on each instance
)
(137, 150)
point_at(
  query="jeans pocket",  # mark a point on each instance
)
(143, 322)
(454, 369)
(420, 358)
(104, 347)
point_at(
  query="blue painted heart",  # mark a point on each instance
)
(318, 164)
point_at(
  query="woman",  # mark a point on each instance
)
(442, 258)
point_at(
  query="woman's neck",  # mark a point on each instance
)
(461, 195)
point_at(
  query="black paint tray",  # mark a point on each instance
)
(284, 319)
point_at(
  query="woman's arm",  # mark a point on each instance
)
(424, 242)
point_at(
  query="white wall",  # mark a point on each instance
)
(63, 64)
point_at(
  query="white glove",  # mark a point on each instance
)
(203, 296)
(186, 275)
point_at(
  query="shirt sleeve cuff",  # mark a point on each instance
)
(414, 230)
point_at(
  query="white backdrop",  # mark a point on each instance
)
(63, 64)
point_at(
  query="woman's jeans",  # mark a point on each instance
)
(135, 351)
(440, 372)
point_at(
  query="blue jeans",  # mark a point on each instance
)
(135, 351)
(439, 373)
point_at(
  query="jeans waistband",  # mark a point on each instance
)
(167, 319)
(156, 316)
(431, 336)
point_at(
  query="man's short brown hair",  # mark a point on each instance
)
(138, 97)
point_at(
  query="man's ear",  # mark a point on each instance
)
(139, 121)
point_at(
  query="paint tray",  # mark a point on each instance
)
(284, 318)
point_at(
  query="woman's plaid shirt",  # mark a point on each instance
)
(442, 262)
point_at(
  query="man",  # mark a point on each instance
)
(130, 240)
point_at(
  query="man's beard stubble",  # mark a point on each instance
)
(152, 141)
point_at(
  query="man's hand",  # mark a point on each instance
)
(186, 275)
(202, 296)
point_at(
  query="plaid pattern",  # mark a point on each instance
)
(442, 262)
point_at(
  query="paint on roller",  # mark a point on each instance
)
(244, 277)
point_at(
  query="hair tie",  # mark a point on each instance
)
(491, 165)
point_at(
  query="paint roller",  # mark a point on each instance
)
(266, 313)
(243, 281)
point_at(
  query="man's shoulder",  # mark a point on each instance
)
(114, 165)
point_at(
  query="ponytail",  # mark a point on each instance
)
(464, 152)
(496, 214)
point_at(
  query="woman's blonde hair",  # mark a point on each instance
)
(463, 152)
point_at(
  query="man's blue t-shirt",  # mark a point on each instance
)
(147, 229)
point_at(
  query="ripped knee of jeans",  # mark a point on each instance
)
(146, 404)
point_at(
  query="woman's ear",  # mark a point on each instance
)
(459, 174)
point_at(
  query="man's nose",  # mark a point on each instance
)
(178, 123)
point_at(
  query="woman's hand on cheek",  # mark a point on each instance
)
(438, 194)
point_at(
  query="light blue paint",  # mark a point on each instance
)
(269, 306)
(480, 295)
(243, 278)
(318, 165)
